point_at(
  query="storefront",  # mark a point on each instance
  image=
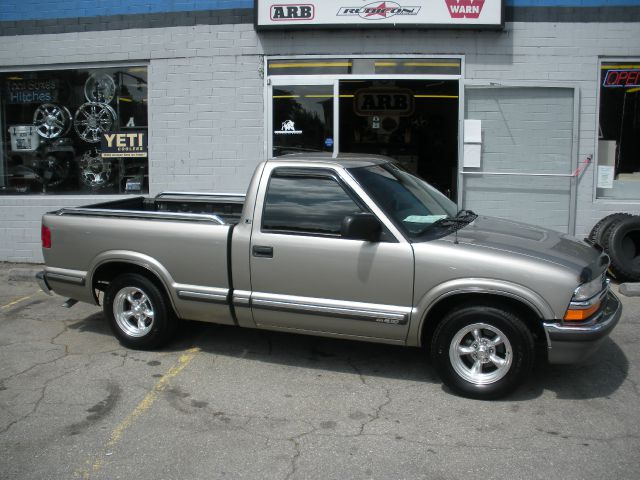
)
(509, 108)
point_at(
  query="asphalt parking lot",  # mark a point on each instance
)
(228, 403)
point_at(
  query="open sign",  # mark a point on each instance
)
(622, 78)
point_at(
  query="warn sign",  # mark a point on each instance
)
(465, 8)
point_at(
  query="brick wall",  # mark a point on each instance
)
(206, 94)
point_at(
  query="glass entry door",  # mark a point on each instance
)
(414, 121)
(302, 117)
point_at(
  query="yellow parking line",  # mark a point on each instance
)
(142, 407)
(15, 302)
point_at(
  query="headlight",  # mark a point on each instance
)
(588, 290)
(586, 300)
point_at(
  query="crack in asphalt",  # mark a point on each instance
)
(37, 403)
(35, 365)
(357, 370)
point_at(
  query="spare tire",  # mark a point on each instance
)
(622, 243)
(600, 229)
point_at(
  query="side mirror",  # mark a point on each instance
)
(361, 226)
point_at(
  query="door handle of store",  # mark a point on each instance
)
(262, 251)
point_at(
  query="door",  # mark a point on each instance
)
(304, 276)
(413, 121)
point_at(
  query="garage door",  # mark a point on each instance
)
(527, 155)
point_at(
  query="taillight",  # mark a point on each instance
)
(46, 237)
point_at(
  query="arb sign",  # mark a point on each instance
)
(474, 14)
(383, 101)
(292, 12)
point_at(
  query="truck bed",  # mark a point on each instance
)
(224, 209)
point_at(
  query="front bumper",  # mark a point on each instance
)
(573, 343)
(42, 281)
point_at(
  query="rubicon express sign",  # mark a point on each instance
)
(365, 13)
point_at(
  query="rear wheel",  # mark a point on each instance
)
(138, 312)
(482, 352)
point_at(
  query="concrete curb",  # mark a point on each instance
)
(630, 289)
(23, 274)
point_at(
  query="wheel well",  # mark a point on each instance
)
(529, 316)
(105, 274)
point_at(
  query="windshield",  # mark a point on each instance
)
(410, 202)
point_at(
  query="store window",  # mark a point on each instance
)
(74, 131)
(619, 131)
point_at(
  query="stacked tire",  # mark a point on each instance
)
(619, 235)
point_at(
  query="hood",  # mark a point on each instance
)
(535, 242)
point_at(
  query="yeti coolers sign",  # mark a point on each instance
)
(132, 143)
(365, 13)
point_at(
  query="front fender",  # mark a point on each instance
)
(473, 285)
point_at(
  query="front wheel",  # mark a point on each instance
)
(482, 352)
(138, 312)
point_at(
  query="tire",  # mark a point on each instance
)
(151, 325)
(473, 328)
(600, 229)
(623, 246)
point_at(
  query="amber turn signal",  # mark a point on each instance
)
(579, 315)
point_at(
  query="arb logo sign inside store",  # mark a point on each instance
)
(281, 13)
(622, 78)
(383, 101)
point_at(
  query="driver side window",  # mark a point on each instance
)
(311, 204)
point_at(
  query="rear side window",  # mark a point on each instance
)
(306, 204)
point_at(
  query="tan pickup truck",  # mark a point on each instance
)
(351, 247)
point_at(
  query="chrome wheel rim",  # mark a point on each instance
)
(100, 88)
(95, 171)
(481, 354)
(133, 311)
(92, 119)
(51, 121)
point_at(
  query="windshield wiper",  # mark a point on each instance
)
(462, 218)
(467, 214)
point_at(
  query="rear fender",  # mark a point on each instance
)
(140, 260)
